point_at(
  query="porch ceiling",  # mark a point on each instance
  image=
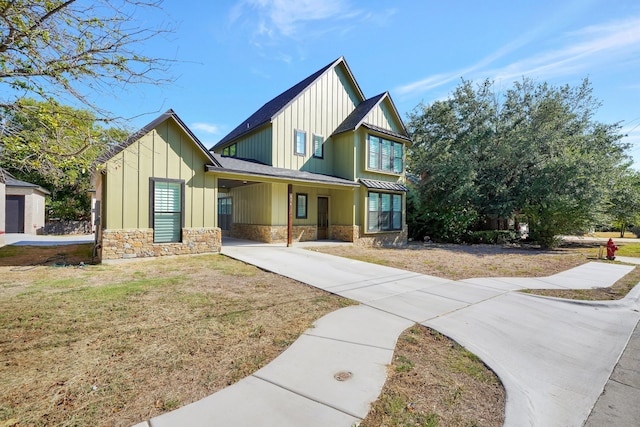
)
(233, 183)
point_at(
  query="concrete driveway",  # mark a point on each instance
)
(553, 356)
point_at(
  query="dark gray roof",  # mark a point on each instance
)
(271, 108)
(383, 185)
(11, 181)
(248, 167)
(169, 114)
(354, 119)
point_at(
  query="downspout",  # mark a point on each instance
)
(290, 215)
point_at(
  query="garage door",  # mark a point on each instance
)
(14, 222)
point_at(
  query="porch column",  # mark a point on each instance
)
(290, 216)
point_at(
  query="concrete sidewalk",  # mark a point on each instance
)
(553, 356)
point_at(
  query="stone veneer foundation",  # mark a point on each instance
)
(273, 233)
(345, 233)
(384, 239)
(138, 243)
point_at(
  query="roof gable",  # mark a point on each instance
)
(268, 111)
(358, 116)
(168, 115)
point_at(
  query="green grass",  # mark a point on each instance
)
(469, 364)
(629, 249)
(613, 234)
(397, 408)
(404, 364)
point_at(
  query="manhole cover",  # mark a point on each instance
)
(343, 375)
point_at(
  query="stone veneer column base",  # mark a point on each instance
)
(345, 233)
(138, 243)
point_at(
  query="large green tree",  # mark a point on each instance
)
(534, 150)
(624, 200)
(63, 50)
(67, 52)
(54, 146)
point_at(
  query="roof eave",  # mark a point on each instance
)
(276, 176)
(223, 143)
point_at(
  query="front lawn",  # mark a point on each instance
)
(119, 344)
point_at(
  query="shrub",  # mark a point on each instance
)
(492, 237)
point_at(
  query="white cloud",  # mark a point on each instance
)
(206, 127)
(594, 46)
(285, 17)
(605, 45)
(272, 20)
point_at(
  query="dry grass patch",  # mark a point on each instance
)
(118, 344)
(458, 262)
(435, 382)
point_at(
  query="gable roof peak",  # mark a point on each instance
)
(269, 110)
(169, 114)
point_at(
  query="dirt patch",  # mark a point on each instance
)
(435, 382)
(62, 255)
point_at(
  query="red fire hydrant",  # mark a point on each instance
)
(611, 250)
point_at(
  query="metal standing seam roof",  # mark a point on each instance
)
(247, 167)
(383, 185)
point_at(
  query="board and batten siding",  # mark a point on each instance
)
(256, 145)
(165, 152)
(252, 204)
(267, 204)
(382, 116)
(319, 110)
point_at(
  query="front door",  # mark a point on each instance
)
(323, 218)
(14, 215)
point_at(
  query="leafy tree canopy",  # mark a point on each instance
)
(57, 52)
(54, 146)
(534, 150)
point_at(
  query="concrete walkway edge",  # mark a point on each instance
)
(553, 356)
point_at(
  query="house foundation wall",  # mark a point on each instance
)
(345, 233)
(273, 233)
(138, 243)
(384, 239)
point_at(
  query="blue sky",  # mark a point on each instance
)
(233, 56)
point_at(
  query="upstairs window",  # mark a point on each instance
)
(300, 143)
(167, 203)
(318, 147)
(229, 151)
(384, 155)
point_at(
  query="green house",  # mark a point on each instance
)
(337, 155)
(319, 161)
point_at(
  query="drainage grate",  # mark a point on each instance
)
(343, 375)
